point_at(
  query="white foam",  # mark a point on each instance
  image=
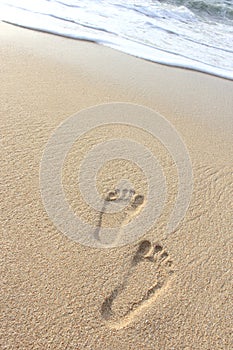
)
(159, 32)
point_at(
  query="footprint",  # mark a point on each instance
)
(149, 273)
(133, 209)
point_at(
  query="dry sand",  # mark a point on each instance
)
(56, 293)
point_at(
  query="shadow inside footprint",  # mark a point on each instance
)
(138, 200)
(142, 251)
(106, 309)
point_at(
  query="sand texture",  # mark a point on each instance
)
(161, 292)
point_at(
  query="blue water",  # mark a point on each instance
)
(193, 34)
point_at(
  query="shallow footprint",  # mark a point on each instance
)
(133, 210)
(151, 269)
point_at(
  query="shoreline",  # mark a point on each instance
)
(173, 65)
(56, 291)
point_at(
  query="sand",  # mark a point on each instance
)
(159, 292)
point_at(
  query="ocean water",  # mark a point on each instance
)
(195, 34)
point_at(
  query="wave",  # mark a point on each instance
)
(168, 32)
(212, 9)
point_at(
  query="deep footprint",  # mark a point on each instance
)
(150, 270)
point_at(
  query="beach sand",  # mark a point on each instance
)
(59, 294)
